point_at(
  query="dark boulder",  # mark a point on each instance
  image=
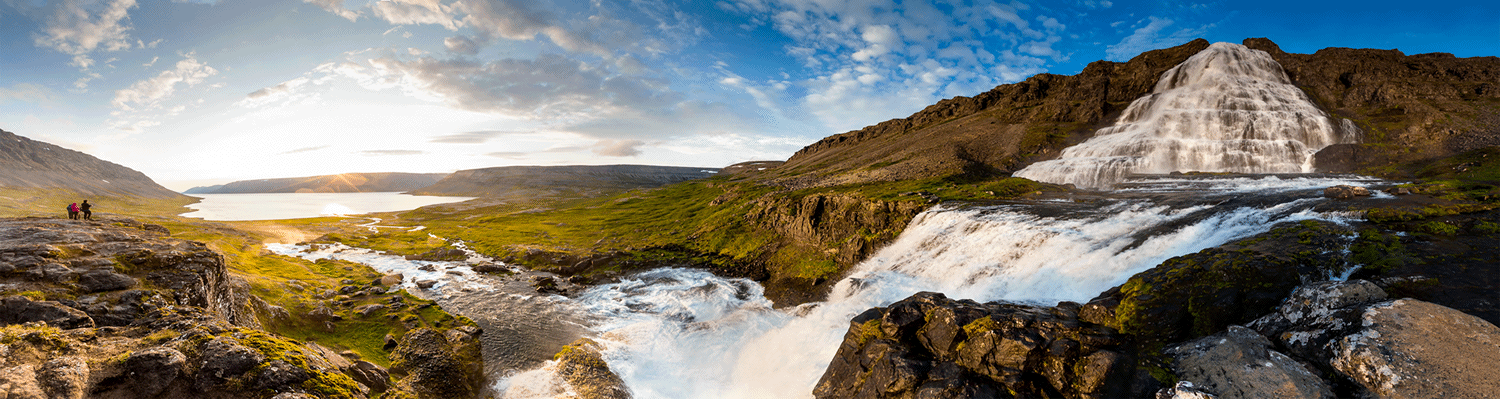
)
(370, 375)
(930, 346)
(102, 281)
(152, 370)
(18, 310)
(225, 358)
(433, 368)
(280, 376)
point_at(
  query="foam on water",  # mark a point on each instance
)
(1227, 108)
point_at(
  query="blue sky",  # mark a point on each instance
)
(200, 92)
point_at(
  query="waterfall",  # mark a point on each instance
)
(1226, 109)
(680, 333)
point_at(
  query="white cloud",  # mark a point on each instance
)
(415, 12)
(618, 148)
(27, 93)
(284, 92)
(80, 27)
(336, 7)
(149, 93)
(462, 45)
(1151, 37)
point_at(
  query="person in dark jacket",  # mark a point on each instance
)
(87, 215)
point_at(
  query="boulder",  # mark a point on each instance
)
(432, 367)
(392, 279)
(1415, 349)
(1345, 192)
(1184, 390)
(280, 376)
(224, 358)
(426, 283)
(369, 309)
(581, 365)
(1240, 363)
(152, 370)
(64, 377)
(1317, 313)
(102, 281)
(18, 310)
(370, 375)
(929, 345)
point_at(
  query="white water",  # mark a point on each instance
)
(1226, 109)
(677, 333)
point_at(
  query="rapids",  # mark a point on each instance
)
(1226, 109)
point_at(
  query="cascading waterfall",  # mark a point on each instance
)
(1226, 109)
(678, 333)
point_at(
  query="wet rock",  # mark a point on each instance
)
(545, 284)
(152, 370)
(1345, 192)
(1240, 363)
(63, 377)
(426, 283)
(101, 281)
(434, 369)
(17, 310)
(225, 358)
(20, 382)
(581, 365)
(1415, 349)
(441, 254)
(489, 268)
(929, 345)
(392, 279)
(370, 375)
(1184, 390)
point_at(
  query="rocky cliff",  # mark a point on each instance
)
(116, 308)
(1409, 108)
(340, 183)
(992, 132)
(29, 164)
(569, 180)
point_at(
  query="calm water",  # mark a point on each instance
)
(260, 206)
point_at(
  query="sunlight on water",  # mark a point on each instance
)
(264, 206)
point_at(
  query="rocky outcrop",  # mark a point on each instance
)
(847, 226)
(1241, 364)
(583, 368)
(26, 163)
(1415, 349)
(555, 181)
(1409, 106)
(444, 364)
(1345, 192)
(340, 183)
(929, 346)
(995, 131)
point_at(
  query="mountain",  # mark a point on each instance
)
(1409, 107)
(340, 183)
(28, 164)
(570, 180)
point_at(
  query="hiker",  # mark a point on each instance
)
(87, 215)
(73, 211)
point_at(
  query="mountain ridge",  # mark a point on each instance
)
(31, 164)
(539, 181)
(356, 182)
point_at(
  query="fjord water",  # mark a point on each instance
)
(264, 206)
(1227, 108)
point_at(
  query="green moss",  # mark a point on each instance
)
(1438, 228)
(870, 330)
(1486, 227)
(1379, 252)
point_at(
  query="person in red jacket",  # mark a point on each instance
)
(73, 211)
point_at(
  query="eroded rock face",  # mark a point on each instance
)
(1240, 363)
(151, 370)
(435, 366)
(930, 346)
(1415, 349)
(1316, 314)
(17, 310)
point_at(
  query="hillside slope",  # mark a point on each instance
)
(340, 183)
(1410, 107)
(28, 164)
(569, 180)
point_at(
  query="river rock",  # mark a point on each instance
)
(929, 345)
(426, 283)
(1240, 363)
(152, 370)
(392, 279)
(63, 377)
(18, 309)
(1415, 349)
(1345, 192)
(581, 365)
